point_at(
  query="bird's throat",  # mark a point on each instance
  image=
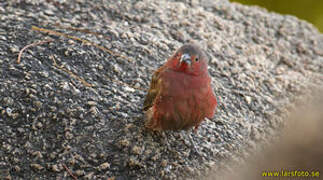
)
(183, 67)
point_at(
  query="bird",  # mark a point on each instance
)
(180, 96)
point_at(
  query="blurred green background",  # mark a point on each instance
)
(309, 10)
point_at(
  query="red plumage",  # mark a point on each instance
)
(180, 94)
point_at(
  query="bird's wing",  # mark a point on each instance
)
(154, 89)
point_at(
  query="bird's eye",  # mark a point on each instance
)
(197, 59)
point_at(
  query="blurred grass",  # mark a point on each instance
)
(309, 10)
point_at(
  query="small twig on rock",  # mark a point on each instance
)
(70, 73)
(84, 41)
(69, 172)
(87, 31)
(30, 45)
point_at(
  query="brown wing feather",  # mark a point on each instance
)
(153, 90)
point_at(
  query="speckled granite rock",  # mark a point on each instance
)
(260, 62)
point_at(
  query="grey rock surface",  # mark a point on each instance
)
(260, 63)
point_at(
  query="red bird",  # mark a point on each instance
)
(180, 94)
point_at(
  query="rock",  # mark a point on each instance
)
(104, 166)
(37, 167)
(259, 62)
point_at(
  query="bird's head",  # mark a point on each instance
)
(189, 59)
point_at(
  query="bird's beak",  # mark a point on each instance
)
(186, 58)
